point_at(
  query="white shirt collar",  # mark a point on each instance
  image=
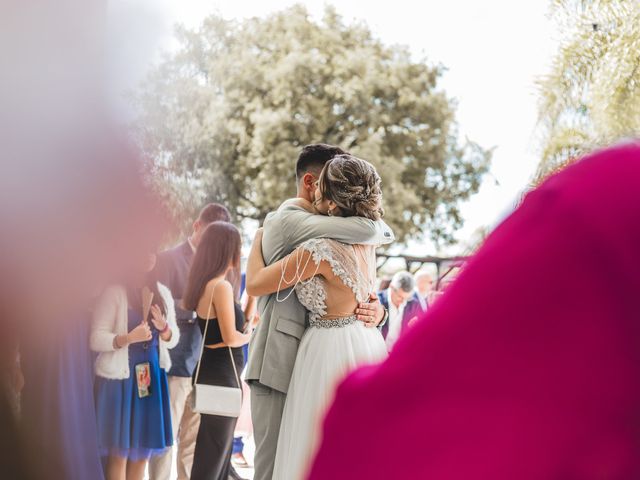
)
(391, 304)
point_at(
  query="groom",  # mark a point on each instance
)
(274, 345)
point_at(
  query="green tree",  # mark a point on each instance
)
(591, 97)
(227, 114)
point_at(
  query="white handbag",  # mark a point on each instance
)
(216, 399)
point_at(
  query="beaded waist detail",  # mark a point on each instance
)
(335, 323)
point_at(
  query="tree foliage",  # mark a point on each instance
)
(227, 114)
(591, 97)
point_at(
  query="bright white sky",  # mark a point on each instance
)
(494, 51)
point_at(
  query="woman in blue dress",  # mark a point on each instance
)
(133, 328)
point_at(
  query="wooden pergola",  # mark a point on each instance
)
(444, 265)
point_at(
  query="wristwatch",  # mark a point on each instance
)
(385, 317)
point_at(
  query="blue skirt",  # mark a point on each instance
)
(129, 426)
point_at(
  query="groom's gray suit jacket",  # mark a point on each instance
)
(273, 348)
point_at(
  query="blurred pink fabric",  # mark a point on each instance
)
(529, 366)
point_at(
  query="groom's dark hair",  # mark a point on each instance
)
(313, 158)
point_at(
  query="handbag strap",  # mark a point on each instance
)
(204, 335)
(234, 368)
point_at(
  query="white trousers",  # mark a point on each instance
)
(185, 423)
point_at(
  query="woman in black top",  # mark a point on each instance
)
(212, 297)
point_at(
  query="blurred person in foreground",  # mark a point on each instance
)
(93, 236)
(50, 281)
(213, 297)
(75, 214)
(523, 375)
(132, 331)
(172, 270)
(394, 299)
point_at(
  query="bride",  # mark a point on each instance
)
(330, 279)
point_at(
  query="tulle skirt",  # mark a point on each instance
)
(325, 357)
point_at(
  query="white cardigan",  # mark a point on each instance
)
(110, 319)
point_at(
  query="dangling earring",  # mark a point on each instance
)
(330, 212)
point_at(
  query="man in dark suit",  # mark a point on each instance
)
(419, 302)
(172, 268)
(394, 299)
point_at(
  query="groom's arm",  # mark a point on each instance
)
(302, 226)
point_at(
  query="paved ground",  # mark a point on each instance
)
(247, 473)
(249, 448)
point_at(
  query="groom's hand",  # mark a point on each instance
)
(372, 312)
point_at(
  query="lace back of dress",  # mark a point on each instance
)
(354, 265)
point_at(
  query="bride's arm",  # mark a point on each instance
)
(295, 267)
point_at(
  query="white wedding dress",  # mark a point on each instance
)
(334, 344)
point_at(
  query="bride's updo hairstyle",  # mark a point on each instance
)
(353, 185)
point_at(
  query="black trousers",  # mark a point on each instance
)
(212, 457)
